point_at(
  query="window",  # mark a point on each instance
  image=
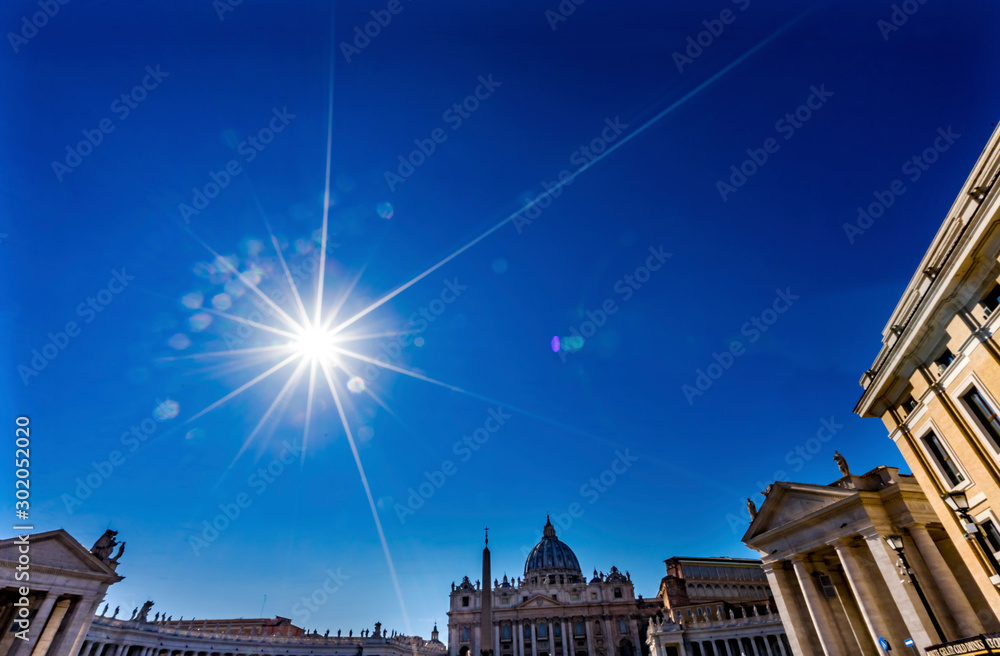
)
(827, 585)
(991, 300)
(465, 601)
(506, 631)
(556, 628)
(909, 404)
(504, 599)
(991, 534)
(593, 595)
(621, 627)
(555, 596)
(574, 596)
(578, 628)
(552, 578)
(527, 631)
(942, 361)
(543, 631)
(465, 635)
(618, 593)
(944, 461)
(985, 414)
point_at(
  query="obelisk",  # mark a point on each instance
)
(486, 604)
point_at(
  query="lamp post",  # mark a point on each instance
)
(896, 543)
(959, 503)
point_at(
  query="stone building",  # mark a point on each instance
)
(68, 583)
(553, 610)
(935, 383)
(839, 584)
(65, 583)
(693, 581)
(716, 607)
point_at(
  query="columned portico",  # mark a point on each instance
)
(846, 574)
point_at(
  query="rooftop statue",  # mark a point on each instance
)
(841, 463)
(105, 545)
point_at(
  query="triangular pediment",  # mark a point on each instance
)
(540, 601)
(57, 550)
(790, 502)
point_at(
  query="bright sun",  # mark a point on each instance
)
(314, 344)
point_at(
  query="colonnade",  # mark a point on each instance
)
(850, 583)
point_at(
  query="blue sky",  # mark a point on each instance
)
(106, 222)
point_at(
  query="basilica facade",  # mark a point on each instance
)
(553, 610)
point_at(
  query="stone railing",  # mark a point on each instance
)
(222, 634)
(675, 621)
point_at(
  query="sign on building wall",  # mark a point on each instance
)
(982, 644)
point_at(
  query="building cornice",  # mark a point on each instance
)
(938, 277)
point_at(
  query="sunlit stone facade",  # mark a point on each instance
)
(716, 607)
(936, 382)
(839, 585)
(552, 611)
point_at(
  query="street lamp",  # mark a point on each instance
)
(895, 542)
(959, 503)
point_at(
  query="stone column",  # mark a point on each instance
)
(76, 626)
(636, 640)
(518, 638)
(961, 610)
(795, 619)
(818, 611)
(566, 636)
(590, 637)
(534, 638)
(912, 617)
(55, 619)
(38, 622)
(868, 601)
(496, 638)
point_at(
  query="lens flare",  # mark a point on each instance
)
(167, 410)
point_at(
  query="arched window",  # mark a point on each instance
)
(726, 592)
(718, 590)
(701, 590)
